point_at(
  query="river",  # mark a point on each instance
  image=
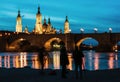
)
(92, 60)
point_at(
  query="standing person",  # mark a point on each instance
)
(41, 58)
(78, 59)
(63, 60)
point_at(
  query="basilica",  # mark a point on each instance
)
(41, 28)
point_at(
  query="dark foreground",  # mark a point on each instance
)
(34, 75)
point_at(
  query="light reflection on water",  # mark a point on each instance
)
(92, 60)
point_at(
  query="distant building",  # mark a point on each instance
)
(41, 28)
(19, 23)
(26, 30)
(66, 26)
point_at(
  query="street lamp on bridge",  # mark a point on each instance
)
(95, 30)
(82, 30)
(69, 30)
(110, 30)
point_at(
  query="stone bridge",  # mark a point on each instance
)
(26, 42)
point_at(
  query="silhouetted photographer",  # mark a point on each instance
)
(78, 59)
(63, 59)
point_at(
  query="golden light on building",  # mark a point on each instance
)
(66, 26)
(19, 23)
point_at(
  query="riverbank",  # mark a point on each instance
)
(34, 75)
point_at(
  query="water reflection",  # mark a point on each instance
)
(70, 59)
(96, 62)
(35, 62)
(56, 60)
(0, 61)
(111, 61)
(92, 60)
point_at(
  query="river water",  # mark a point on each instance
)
(92, 60)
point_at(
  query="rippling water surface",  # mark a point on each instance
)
(92, 60)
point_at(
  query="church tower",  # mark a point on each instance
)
(19, 23)
(38, 16)
(49, 26)
(66, 26)
(38, 25)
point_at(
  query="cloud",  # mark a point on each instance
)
(8, 14)
(28, 16)
(81, 13)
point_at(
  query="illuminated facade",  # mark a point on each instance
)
(26, 30)
(38, 26)
(41, 28)
(66, 26)
(45, 28)
(19, 23)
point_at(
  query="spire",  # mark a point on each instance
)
(44, 20)
(38, 9)
(18, 13)
(66, 19)
(49, 21)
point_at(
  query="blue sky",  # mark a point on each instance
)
(86, 14)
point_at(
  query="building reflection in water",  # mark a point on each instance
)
(56, 59)
(111, 61)
(88, 60)
(116, 60)
(0, 61)
(46, 61)
(70, 67)
(92, 60)
(7, 61)
(96, 61)
(35, 61)
(16, 61)
(20, 60)
(23, 59)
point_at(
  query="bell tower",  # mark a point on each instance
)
(38, 25)
(66, 26)
(19, 23)
(38, 16)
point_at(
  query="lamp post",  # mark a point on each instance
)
(95, 30)
(110, 30)
(82, 30)
(69, 30)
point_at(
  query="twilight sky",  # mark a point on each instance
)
(86, 14)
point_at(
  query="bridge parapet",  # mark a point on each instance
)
(106, 40)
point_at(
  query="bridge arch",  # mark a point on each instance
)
(52, 42)
(86, 38)
(19, 44)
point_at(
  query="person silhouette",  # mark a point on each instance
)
(63, 60)
(41, 58)
(78, 59)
